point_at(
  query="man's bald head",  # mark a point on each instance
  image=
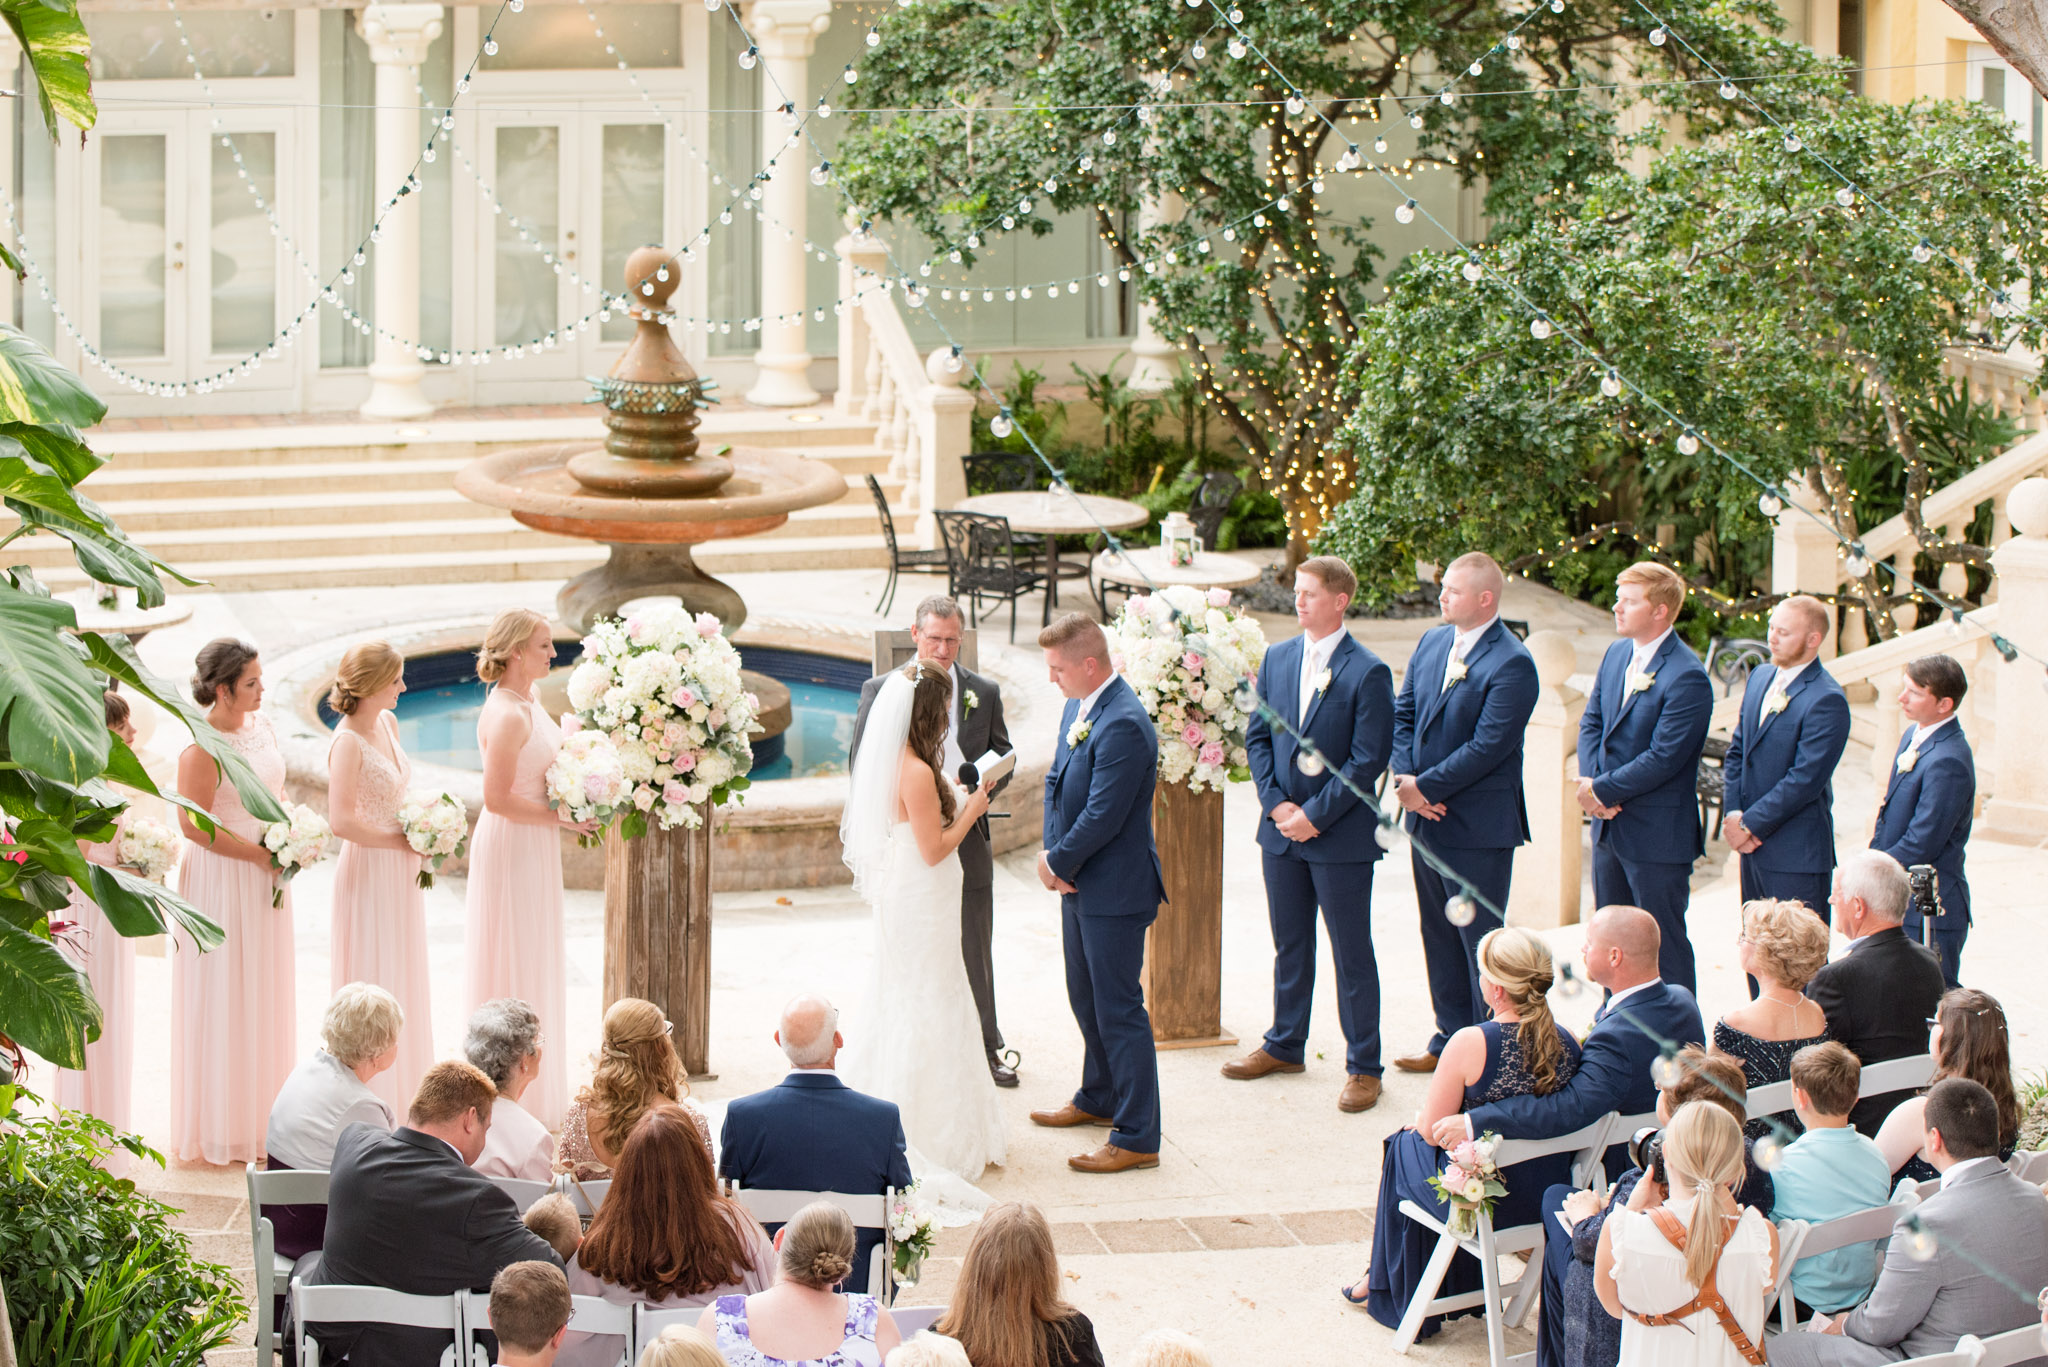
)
(809, 1033)
(1622, 944)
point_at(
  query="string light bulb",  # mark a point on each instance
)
(1923, 252)
(1309, 763)
(1539, 326)
(1688, 443)
(1001, 424)
(1769, 504)
(1667, 1071)
(1461, 911)
(1406, 212)
(749, 57)
(1728, 91)
(1657, 37)
(1845, 197)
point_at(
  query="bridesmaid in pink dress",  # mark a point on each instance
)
(233, 1008)
(515, 941)
(380, 912)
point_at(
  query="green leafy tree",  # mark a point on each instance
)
(1003, 98)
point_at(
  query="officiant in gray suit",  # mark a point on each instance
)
(977, 729)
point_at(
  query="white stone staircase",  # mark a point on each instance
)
(351, 504)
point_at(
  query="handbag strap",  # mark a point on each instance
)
(1708, 1298)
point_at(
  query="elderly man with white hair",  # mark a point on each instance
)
(812, 1132)
(1880, 995)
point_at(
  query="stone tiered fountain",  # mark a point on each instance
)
(651, 493)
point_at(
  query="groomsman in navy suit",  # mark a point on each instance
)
(1315, 835)
(1639, 756)
(1458, 725)
(1778, 776)
(1930, 799)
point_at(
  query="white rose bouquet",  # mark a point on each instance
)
(1470, 1182)
(147, 848)
(588, 780)
(302, 838)
(436, 825)
(1185, 651)
(665, 688)
(913, 1229)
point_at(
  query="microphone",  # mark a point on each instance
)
(970, 779)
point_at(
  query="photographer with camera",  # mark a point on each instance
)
(1684, 1258)
(1924, 820)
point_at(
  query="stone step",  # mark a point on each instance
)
(333, 477)
(557, 559)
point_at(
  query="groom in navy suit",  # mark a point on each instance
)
(1778, 776)
(1639, 756)
(1458, 726)
(1315, 834)
(1929, 799)
(1100, 858)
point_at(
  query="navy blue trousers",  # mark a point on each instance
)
(1120, 1070)
(1663, 890)
(1294, 889)
(1950, 931)
(1451, 952)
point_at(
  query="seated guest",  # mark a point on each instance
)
(1783, 945)
(1169, 1348)
(1968, 1039)
(801, 1320)
(553, 1217)
(1828, 1172)
(637, 1070)
(504, 1041)
(812, 1132)
(1522, 1051)
(1989, 1237)
(926, 1349)
(1006, 1310)
(1877, 996)
(330, 1090)
(680, 1346)
(530, 1309)
(1682, 1236)
(665, 1235)
(405, 1210)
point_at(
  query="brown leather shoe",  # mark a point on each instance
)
(1424, 1062)
(1361, 1093)
(1066, 1116)
(1259, 1063)
(1110, 1158)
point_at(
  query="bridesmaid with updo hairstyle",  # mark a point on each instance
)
(233, 1008)
(514, 941)
(380, 912)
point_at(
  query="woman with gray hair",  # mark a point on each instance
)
(327, 1093)
(504, 1042)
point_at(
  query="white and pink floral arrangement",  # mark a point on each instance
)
(587, 781)
(146, 848)
(1186, 651)
(665, 688)
(436, 826)
(303, 838)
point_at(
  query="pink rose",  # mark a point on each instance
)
(636, 630)
(1453, 1177)
(674, 794)
(1212, 753)
(1138, 605)
(1466, 1155)
(1191, 662)
(595, 786)
(1219, 598)
(1191, 733)
(707, 625)
(716, 719)
(687, 698)
(672, 736)
(571, 723)
(685, 762)
(754, 701)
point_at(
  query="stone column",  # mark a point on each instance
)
(786, 32)
(1154, 359)
(1547, 869)
(399, 36)
(1803, 552)
(945, 431)
(2018, 809)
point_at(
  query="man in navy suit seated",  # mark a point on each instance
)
(812, 1132)
(1929, 799)
(1639, 756)
(1642, 1016)
(1777, 778)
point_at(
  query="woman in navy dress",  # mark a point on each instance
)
(1522, 1051)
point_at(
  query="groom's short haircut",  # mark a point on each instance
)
(808, 1024)
(937, 605)
(1662, 586)
(1333, 574)
(1492, 579)
(1077, 636)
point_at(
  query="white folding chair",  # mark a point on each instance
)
(1969, 1352)
(649, 1322)
(587, 1315)
(773, 1207)
(523, 1193)
(1895, 1075)
(376, 1305)
(2013, 1347)
(273, 1271)
(585, 1196)
(1505, 1304)
(913, 1319)
(1769, 1099)
(1864, 1227)
(2029, 1165)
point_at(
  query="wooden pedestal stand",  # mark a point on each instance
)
(1183, 975)
(657, 930)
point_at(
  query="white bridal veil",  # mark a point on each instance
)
(871, 795)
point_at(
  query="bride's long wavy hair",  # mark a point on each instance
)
(931, 712)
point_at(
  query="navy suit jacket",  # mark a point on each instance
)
(1098, 807)
(1643, 753)
(812, 1132)
(1926, 814)
(1464, 744)
(1781, 776)
(1614, 1068)
(1351, 723)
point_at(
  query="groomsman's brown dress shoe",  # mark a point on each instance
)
(1361, 1093)
(1066, 1116)
(1258, 1063)
(1424, 1062)
(1110, 1158)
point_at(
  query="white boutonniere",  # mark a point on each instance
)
(1322, 683)
(1639, 681)
(1077, 733)
(1908, 760)
(1776, 703)
(1456, 672)
(970, 699)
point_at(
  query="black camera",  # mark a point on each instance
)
(1647, 1152)
(1926, 898)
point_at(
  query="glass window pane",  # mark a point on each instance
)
(131, 263)
(243, 253)
(1994, 87)
(145, 46)
(631, 204)
(529, 186)
(563, 38)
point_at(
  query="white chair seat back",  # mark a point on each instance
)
(523, 1193)
(648, 1324)
(375, 1305)
(1769, 1099)
(776, 1207)
(1969, 1352)
(913, 1319)
(2014, 1346)
(285, 1187)
(585, 1196)
(1895, 1075)
(2030, 1166)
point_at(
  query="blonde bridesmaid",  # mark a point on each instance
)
(233, 1008)
(515, 942)
(380, 913)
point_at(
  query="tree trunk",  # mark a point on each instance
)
(2018, 32)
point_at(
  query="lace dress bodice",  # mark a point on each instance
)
(256, 743)
(1506, 1073)
(380, 783)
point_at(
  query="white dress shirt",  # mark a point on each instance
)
(1618, 998)
(1461, 645)
(1081, 712)
(1315, 658)
(954, 758)
(1781, 683)
(1956, 1170)
(1647, 651)
(1921, 733)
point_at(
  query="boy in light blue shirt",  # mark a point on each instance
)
(1828, 1172)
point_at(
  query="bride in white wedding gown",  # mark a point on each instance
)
(917, 1039)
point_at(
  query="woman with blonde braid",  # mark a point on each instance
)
(1522, 1051)
(637, 1070)
(1685, 1268)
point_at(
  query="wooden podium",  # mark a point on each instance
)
(1183, 974)
(657, 930)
